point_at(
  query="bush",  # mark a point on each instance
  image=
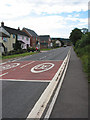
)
(82, 49)
(13, 52)
(31, 49)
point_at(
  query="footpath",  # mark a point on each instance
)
(72, 101)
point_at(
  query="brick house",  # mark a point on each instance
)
(45, 41)
(34, 38)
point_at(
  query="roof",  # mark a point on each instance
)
(14, 31)
(3, 32)
(62, 39)
(44, 37)
(31, 32)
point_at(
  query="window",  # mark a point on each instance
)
(13, 36)
(5, 39)
(13, 45)
(22, 37)
(27, 38)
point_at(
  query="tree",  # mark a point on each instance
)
(75, 35)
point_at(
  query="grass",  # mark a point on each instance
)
(18, 55)
(45, 49)
(23, 54)
(84, 55)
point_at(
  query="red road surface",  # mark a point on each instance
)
(24, 73)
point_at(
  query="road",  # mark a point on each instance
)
(19, 97)
(24, 80)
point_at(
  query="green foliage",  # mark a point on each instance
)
(31, 49)
(85, 40)
(75, 35)
(82, 49)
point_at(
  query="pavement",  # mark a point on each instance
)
(72, 101)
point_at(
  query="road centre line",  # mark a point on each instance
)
(42, 57)
(16, 60)
(19, 80)
(27, 64)
(3, 63)
(3, 74)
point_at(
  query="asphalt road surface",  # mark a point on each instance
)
(19, 94)
(24, 80)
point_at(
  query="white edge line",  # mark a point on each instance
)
(25, 80)
(48, 113)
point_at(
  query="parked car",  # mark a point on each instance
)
(65, 46)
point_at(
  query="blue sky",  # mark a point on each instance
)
(46, 17)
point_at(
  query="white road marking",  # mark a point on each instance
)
(42, 57)
(27, 64)
(15, 60)
(3, 74)
(42, 102)
(42, 67)
(3, 63)
(17, 80)
(48, 113)
(8, 66)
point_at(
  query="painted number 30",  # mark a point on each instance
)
(42, 67)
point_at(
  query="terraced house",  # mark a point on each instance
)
(3, 33)
(45, 41)
(15, 35)
(34, 38)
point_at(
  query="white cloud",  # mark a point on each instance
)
(21, 13)
(20, 8)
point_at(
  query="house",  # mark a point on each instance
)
(16, 35)
(66, 41)
(3, 33)
(34, 38)
(57, 42)
(45, 41)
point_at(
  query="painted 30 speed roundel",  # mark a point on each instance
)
(8, 66)
(42, 67)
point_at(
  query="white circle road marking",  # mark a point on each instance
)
(8, 66)
(42, 67)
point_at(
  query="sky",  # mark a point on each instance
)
(56, 18)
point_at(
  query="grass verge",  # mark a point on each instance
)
(18, 55)
(46, 49)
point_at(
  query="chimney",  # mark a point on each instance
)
(2, 24)
(18, 28)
